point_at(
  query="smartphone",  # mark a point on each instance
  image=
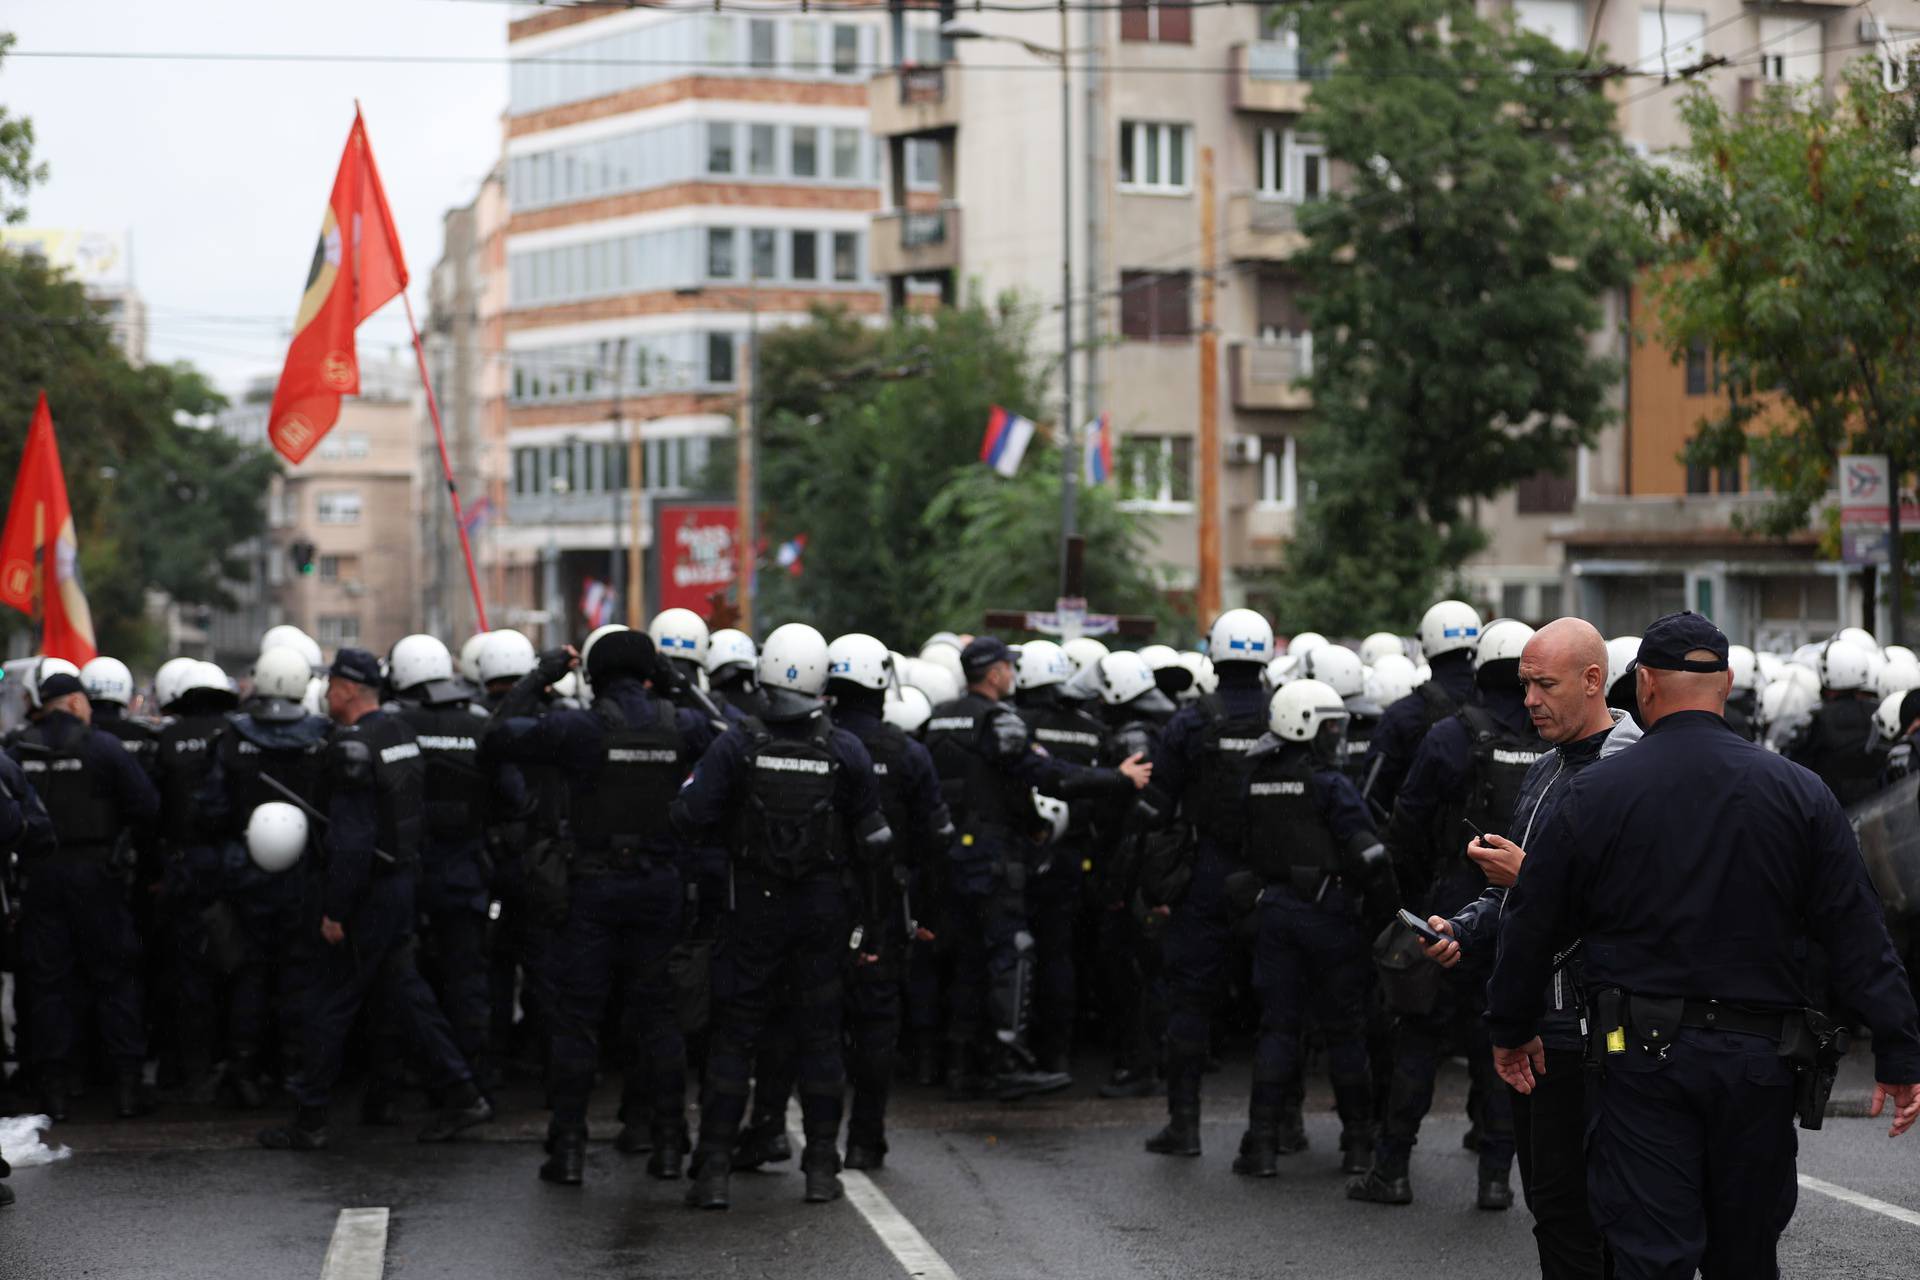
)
(1472, 830)
(1421, 927)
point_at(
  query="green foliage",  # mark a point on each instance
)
(18, 169)
(870, 444)
(1453, 284)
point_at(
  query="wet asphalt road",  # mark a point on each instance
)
(1046, 1189)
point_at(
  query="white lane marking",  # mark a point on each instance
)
(358, 1250)
(902, 1239)
(1860, 1201)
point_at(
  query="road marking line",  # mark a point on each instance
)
(1860, 1201)
(901, 1238)
(358, 1250)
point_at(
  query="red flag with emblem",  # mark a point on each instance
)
(39, 554)
(357, 269)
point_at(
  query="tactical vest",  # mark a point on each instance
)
(245, 760)
(890, 747)
(399, 781)
(1285, 832)
(788, 825)
(1354, 746)
(456, 788)
(1069, 734)
(84, 812)
(642, 767)
(1438, 702)
(184, 760)
(1843, 748)
(141, 739)
(1501, 758)
(968, 738)
(1215, 797)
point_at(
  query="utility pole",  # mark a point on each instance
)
(636, 497)
(615, 577)
(1069, 456)
(745, 518)
(1207, 591)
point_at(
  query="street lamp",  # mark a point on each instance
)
(961, 29)
(745, 488)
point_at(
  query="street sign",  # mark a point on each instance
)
(1863, 545)
(1863, 492)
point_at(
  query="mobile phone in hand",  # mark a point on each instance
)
(1421, 927)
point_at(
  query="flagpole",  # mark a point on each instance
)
(446, 465)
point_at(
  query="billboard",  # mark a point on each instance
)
(695, 543)
(94, 259)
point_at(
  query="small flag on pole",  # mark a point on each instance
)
(791, 553)
(39, 554)
(1008, 435)
(1099, 450)
(596, 603)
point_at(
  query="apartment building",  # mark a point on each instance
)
(675, 181)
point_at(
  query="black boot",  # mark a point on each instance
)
(1018, 1076)
(1386, 1182)
(1259, 1146)
(6, 1195)
(865, 1154)
(762, 1143)
(1496, 1193)
(1181, 1137)
(710, 1172)
(670, 1147)
(1129, 1082)
(130, 1096)
(821, 1163)
(307, 1132)
(1291, 1139)
(1354, 1101)
(926, 1060)
(566, 1161)
(1356, 1155)
(53, 1093)
(465, 1107)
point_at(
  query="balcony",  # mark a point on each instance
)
(1263, 374)
(914, 100)
(915, 242)
(1262, 228)
(1270, 76)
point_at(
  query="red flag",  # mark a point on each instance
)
(39, 555)
(357, 269)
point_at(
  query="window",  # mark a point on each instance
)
(1169, 23)
(805, 38)
(1699, 381)
(1728, 478)
(1678, 40)
(1290, 168)
(1558, 20)
(762, 161)
(760, 33)
(846, 154)
(1277, 474)
(329, 568)
(1790, 50)
(766, 257)
(923, 164)
(806, 152)
(846, 256)
(1156, 470)
(1154, 157)
(719, 147)
(338, 631)
(341, 506)
(846, 50)
(1698, 478)
(720, 358)
(720, 41)
(1155, 305)
(720, 253)
(806, 255)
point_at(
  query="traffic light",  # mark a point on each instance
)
(302, 554)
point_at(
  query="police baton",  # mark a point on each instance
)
(293, 798)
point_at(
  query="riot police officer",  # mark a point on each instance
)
(76, 931)
(1449, 633)
(989, 769)
(24, 828)
(1839, 743)
(373, 798)
(797, 797)
(109, 689)
(731, 662)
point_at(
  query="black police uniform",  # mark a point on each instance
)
(24, 826)
(1130, 983)
(1697, 868)
(76, 933)
(1842, 746)
(1404, 724)
(188, 882)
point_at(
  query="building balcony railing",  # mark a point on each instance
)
(1270, 76)
(1262, 228)
(914, 100)
(1264, 374)
(907, 242)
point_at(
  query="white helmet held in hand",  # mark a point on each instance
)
(281, 672)
(730, 647)
(470, 656)
(1845, 666)
(680, 633)
(1042, 663)
(107, 680)
(794, 658)
(504, 655)
(906, 708)
(1447, 626)
(276, 836)
(1084, 651)
(1381, 644)
(1240, 635)
(417, 659)
(1502, 642)
(1337, 666)
(1300, 707)
(294, 638)
(1390, 679)
(1055, 813)
(1745, 667)
(859, 659)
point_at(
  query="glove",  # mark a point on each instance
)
(554, 665)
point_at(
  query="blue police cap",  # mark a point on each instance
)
(356, 665)
(1669, 640)
(982, 652)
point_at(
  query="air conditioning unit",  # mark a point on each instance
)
(1243, 451)
(1873, 29)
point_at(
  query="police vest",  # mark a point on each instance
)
(1354, 746)
(890, 748)
(1215, 800)
(1501, 758)
(181, 765)
(141, 740)
(84, 812)
(974, 741)
(788, 825)
(1843, 748)
(249, 754)
(399, 783)
(642, 767)
(456, 788)
(1439, 704)
(1069, 734)
(1285, 832)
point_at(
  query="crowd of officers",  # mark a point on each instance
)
(804, 868)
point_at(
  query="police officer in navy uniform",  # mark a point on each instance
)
(989, 769)
(76, 933)
(1697, 868)
(1449, 633)
(1839, 743)
(622, 762)
(24, 828)
(373, 799)
(798, 799)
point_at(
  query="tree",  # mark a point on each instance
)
(1453, 285)
(870, 450)
(18, 169)
(1791, 247)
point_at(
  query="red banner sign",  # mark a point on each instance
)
(696, 554)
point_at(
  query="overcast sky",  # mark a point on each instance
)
(220, 171)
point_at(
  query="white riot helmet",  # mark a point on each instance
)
(166, 681)
(1306, 642)
(1160, 656)
(1845, 666)
(207, 675)
(730, 647)
(417, 659)
(793, 671)
(1621, 652)
(1900, 653)
(1860, 636)
(569, 690)
(680, 633)
(1887, 718)
(315, 701)
(1772, 667)
(44, 669)
(1055, 814)
(859, 659)
(1298, 709)
(1447, 626)
(1502, 642)
(1898, 677)
(1390, 679)
(1042, 663)
(1283, 669)
(1745, 668)
(1381, 644)
(931, 678)
(107, 680)
(294, 638)
(1123, 677)
(281, 672)
(1805, 678)
(1338, 667)
(276, 836)
(946, 656)
(1807, 655)
(906, 708)
(1240, 635)
(1783, 706)
(1205, 679)
(594, 636)
(470, 656)
(504, 655)
(1084, 651)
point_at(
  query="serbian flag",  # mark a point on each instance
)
(1099, 450)
(1008, 435)
(357, 269)
(39, 555)
(596, 603)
